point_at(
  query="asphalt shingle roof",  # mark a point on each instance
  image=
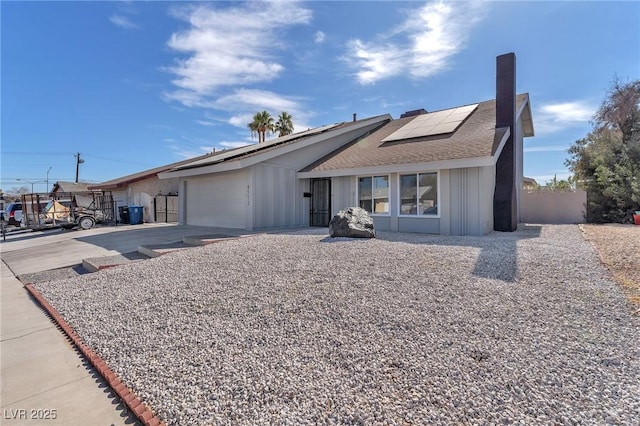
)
(128, 179)
(476, 137)
(260, 148)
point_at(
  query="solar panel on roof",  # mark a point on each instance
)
(218, 157)
(433, 123)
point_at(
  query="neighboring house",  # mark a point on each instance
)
(143, 188)
(529, 184)
(62, 186)
(452, 172)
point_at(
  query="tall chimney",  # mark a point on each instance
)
(505, 208)
(354, 116)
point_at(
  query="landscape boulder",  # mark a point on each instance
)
(352, 222)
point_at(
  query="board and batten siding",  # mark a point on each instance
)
(343, 193)
(216, 200)
(278, 197)
(471, 200)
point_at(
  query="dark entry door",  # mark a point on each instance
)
(320, 202)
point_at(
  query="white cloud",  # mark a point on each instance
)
(319, 37)
(245, 103)
(230, 46)
(553, 117)
(376, 62)
(240, 120)
(122, 21)
(422, 46)
(206, 123)
(569, 111)
(545, 149)
(254, 98)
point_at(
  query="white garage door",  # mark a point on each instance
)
(217, 200)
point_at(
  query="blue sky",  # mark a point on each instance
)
(135, 85)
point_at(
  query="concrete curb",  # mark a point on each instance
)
(140, 410)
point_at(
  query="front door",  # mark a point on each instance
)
(320, 202)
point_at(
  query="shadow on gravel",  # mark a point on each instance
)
(52, 274)
(498, 258)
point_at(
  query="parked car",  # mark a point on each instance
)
(13, 214)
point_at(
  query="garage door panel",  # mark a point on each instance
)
(217, 200)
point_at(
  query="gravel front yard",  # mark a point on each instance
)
(405, 329)
(619, 249)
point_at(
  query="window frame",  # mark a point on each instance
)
(388, 176)
(416, 174)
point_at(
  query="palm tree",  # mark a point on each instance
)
(284, 125)
(261, 125)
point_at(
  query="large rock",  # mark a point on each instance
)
(352, 222)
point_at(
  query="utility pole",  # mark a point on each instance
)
(48, 170)
(78, 162)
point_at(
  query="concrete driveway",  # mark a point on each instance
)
(45, 250)
(44, 379)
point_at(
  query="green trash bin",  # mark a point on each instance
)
(135, 215)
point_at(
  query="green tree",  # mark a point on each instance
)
(561, 185)
(262, 125)
(607, 161)
(284, 125)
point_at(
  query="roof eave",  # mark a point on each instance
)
(524, 112)
(122, 184)
(403, 168)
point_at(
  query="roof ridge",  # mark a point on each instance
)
(469, 104)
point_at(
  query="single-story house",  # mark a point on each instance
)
(64, 186)
(146, 190)
(529, 184)
(453, 172)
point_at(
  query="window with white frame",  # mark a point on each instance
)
(373, 194)
(419, 194)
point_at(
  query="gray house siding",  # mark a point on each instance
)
(470, 200)
(343, 193)
(465, 203)
(277, 197)
(519, 147)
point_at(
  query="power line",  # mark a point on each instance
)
(36, 153)
(13, 179)
(98, 157)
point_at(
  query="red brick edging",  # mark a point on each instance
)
(140, 410)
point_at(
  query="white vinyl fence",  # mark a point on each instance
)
(553, 207)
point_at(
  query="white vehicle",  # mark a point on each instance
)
(13, 214)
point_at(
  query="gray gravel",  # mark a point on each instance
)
(523, 327)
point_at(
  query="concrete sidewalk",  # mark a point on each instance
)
(44, 379)
(41, 372)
